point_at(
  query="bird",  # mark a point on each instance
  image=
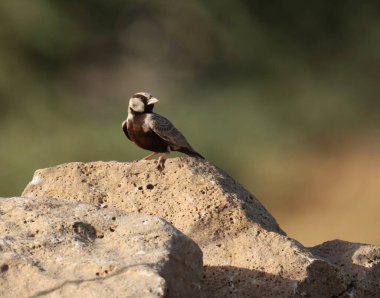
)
(152, 131)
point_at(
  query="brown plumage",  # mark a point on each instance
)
(153, 132)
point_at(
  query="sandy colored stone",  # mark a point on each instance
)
(56, 248)
(359, 262)
(245, 252)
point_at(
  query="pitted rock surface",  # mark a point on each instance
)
(56, 248)
(246, 254)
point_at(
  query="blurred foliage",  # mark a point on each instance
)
(251, 83)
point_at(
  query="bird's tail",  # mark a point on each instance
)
(190, 152)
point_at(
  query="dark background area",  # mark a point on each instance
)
(283, 95)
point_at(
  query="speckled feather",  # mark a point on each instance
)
(166, 130)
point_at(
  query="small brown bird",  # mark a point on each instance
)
(153, 132)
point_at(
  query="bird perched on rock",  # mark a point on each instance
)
(153, 132)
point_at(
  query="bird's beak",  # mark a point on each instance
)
(152, 101)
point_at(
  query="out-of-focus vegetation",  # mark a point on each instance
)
(284, 95)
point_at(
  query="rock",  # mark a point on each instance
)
(56, 248)
(246, 254)
(359, 262)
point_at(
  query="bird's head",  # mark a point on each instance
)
(141, 102)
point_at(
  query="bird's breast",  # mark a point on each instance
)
(143, 136)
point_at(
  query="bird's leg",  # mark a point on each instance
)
(150, 155)
(162, 159)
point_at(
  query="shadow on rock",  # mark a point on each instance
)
(359, 263)
(229, 281)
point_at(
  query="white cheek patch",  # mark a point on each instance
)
(137, 105)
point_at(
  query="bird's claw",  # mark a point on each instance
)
(160, 164)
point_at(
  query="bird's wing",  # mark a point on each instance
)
(166, 130)
(125, 129)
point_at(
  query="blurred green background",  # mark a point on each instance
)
(283, 95)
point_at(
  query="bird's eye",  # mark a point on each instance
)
(140, 96)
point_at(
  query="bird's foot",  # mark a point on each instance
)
(160, 164)
(161, 161)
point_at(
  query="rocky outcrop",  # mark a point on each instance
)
(245, 252)
(55, 248)
(359, 263)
